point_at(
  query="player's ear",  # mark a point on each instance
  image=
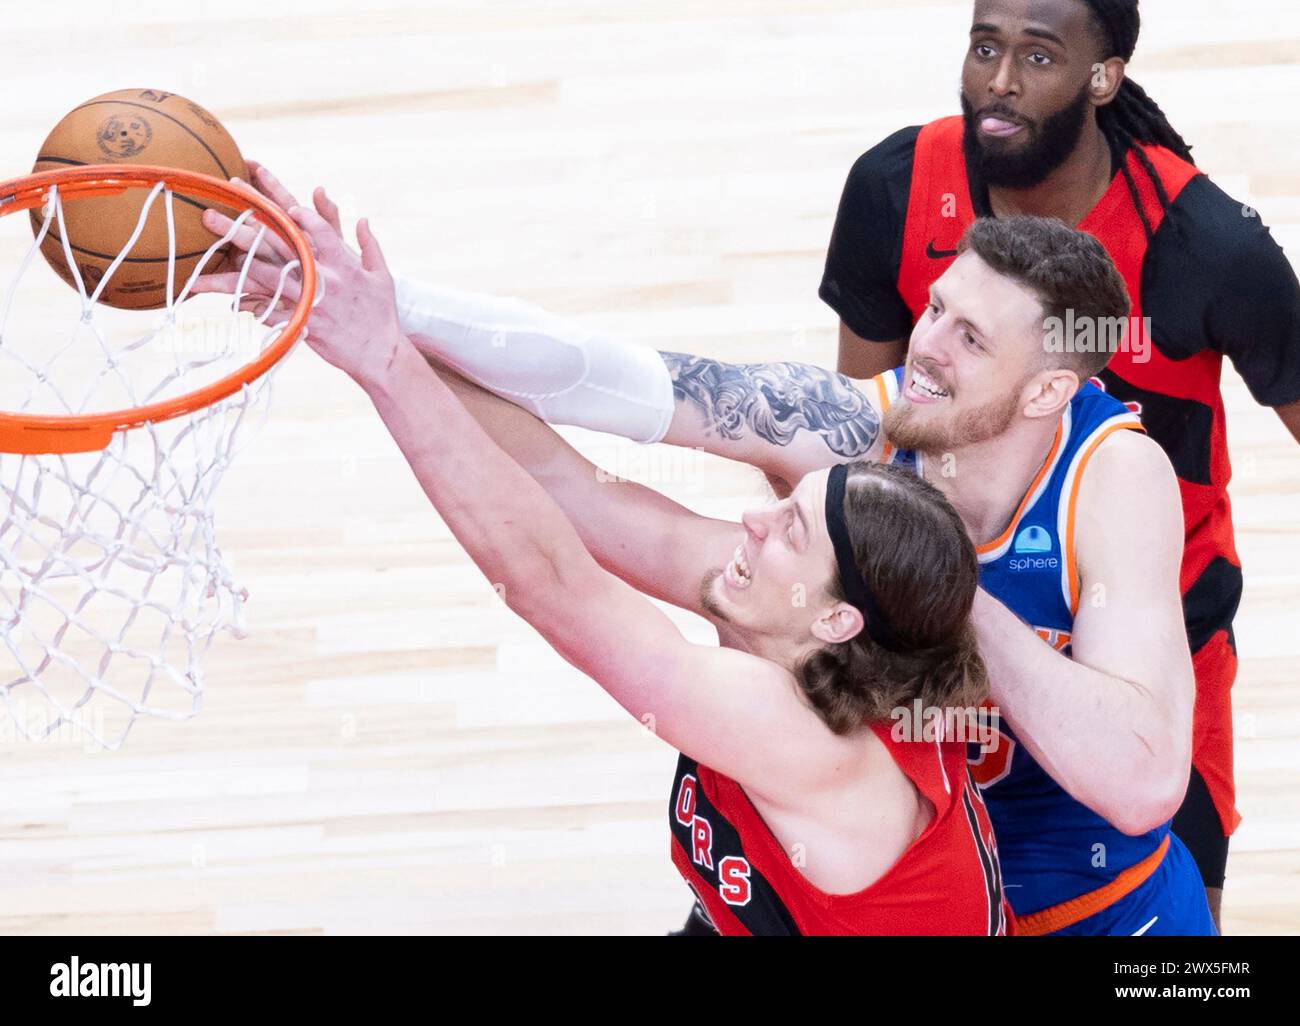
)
(1107, 77)
(1049, 392)
(839, 624)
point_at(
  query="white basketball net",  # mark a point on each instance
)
(112, 584)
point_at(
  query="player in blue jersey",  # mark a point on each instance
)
(1059, 854)
(1075, 512)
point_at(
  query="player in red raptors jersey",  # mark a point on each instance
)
(1053, 127)
(796, 810)
(746, 882)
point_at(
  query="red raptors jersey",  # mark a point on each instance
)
(947, 882)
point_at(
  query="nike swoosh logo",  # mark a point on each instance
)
(938, 254)
(1147, 927)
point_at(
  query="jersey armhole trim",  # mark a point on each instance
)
(998, 546)
(886, 395)
(1072, 582)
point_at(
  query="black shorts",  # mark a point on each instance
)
(1197, 825)
(697, 925)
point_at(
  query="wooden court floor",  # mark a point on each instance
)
(391, 751)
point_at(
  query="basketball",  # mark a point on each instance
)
(135, 126)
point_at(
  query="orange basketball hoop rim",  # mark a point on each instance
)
(23, 434)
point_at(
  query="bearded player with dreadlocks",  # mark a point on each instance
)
(1051, 126)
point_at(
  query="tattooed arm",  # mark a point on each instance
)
(785, 418)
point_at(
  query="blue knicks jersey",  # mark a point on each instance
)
(1052, 847)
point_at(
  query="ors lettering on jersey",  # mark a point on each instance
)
(701, 842)
(701, 832)
(733, 870)
(734, 874)
(684, 812)
(717, 858)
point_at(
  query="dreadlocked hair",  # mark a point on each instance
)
(1132, 117)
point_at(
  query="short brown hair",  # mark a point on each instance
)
(920, 565)
(1068, 270)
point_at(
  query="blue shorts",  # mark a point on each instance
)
(1170, 903)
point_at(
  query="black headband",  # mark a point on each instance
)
(855, 588)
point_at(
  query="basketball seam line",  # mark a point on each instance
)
(130, 103)
(113, 256)
(129, 260)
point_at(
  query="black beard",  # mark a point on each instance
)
(1051, 143)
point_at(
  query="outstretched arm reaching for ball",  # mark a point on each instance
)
(523, 543)
(784, 418)
(658, 546)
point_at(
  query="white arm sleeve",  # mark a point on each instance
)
(555, 369)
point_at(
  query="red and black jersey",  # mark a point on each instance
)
(948, 882)
(1213, 283)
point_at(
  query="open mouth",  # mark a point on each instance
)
(924, 389)
(736, 573)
